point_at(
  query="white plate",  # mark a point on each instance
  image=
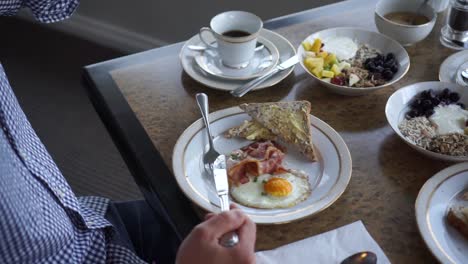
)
(285, 50)
(329, 176)
(360, 36)
(263, 61)
(450, 67)
(397, 106)
(432, 205)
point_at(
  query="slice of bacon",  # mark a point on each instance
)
(262, 158)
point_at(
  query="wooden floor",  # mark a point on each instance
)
(44, 68)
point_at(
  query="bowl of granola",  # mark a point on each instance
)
(353, 61)
(431, 117)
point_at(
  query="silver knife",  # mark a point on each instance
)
(229, 239)
(239, 92)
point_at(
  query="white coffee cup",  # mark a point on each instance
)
(236, 35)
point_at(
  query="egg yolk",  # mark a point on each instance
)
(278, 187)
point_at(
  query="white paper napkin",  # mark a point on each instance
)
(330, 247)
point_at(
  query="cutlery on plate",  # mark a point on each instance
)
(202, 48)
(241, 91)
(215, 166)
(365, 257)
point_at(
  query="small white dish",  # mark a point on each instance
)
(360, 36)
(449, 69)
(434, 199)
(328, 176)
(262, 61)
(187, 58)
(398, 105)
(405, 34)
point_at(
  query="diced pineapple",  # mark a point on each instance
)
(335, 69)
(331, 59)
(313, 62)
(307, 45)
(322, 54)
(327, 74)
(317, 72)
(317, 45)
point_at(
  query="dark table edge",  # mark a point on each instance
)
(144, 161)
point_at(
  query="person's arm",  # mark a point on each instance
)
(202, 244)
(45, 11)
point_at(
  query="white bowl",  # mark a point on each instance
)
(405, 34)
(397, 106)
(360, 36)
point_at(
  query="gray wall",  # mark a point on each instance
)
(176, 20)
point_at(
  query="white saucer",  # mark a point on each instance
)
(187, 59)
(450, 67)
(262, 62)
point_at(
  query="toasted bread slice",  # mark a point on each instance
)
(458, 218)
(251, 130)
(290, 121)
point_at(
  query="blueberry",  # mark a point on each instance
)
(462, 105)
(445, 92)
(390, 56)
(435, 101)
(387, 74)
(379, 69)
(427, 104)
(454, 97)
(429, 112)
(411, 114)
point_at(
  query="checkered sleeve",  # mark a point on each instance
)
(49, 11)
(46, 11)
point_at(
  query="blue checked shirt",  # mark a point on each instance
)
(41, 220)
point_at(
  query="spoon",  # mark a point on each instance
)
(202, 48)
(365, 257)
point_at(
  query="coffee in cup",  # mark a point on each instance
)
(235, 34)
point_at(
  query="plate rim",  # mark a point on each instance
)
(446, 61)
(274, 52)
(328, 199)
(422, 209)
(265, 85)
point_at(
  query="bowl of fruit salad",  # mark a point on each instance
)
(353, 61)
(431, 118)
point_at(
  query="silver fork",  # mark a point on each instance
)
(229, 239)
(210, 156)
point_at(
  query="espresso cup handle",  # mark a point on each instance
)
(207, 29)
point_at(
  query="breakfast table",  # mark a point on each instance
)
(146, 101)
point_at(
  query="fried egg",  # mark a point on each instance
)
(272, 191)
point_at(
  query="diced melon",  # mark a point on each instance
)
(317, 72)
(317, 45)
(322, 54)
(330, 59)
(310, 54)
(307, 45)
(353, 79)
(343, 65)
(328, 74)
(335, 69)
(313, 62)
